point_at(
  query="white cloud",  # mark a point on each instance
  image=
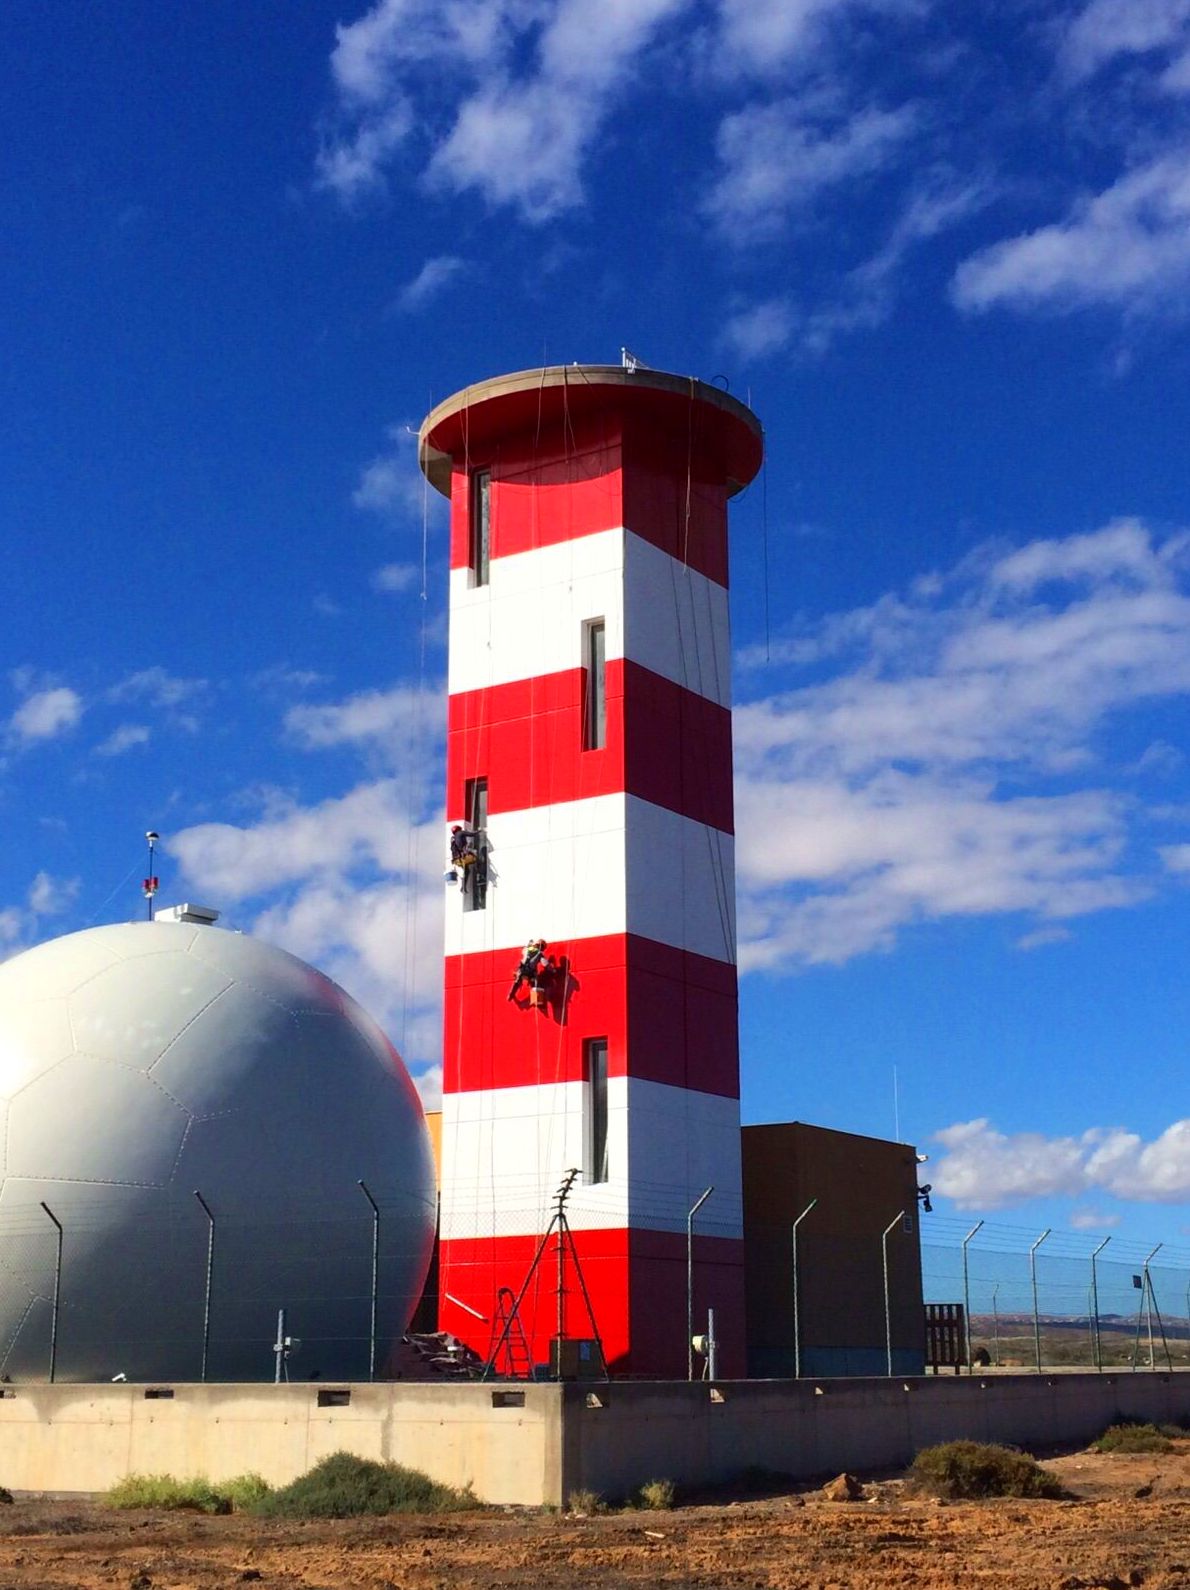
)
(519, 135)
(1107, 29)
(402, 720)
(49, 896)
(870, 290)
(983, 1168)
(392, 578)
(523, 140)
(1176, 858)
(124, 738)
(46, 714)
(763, 36)
(22, 925)
(913, 782)
(392, 484)
(430, 282)
(370, 825)
(158, 687)
(776, 159)
(762, 329)
(1126, 248)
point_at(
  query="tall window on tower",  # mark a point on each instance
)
(595, 679)
(481, 526)
(595, 1073)
(475, 896)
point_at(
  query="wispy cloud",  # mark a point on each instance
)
(158, 688)
(22, 925)
(983, 1168)
(1126, 248)
(930, 773)
(528, 85)
(758, 330)
(125, 738)
(1109, 29)
(774, 160)
(393, 578)
(430, 282)
(765, 36)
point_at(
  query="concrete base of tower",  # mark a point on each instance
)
(635, 1281)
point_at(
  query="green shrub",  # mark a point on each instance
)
(657, 1494)
(1134, 1438)
(966, 1470)
(240, 1494)
(245, 1492)
(583, 1501)
(345, 1486)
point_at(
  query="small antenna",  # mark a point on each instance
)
(896, 1107)
(629, 361)
(149, 887)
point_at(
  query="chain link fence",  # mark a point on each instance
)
(1054, 1299)
(107, 1290)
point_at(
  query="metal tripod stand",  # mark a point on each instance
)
(559, 1229)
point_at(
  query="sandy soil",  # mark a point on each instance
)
(1129, 1524)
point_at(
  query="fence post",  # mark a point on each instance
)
(698, 1203)
(206, 1297)
(1096, 1343)
(1033, 1281)
(797, 1319)
(363, 1187)
(57, 1291)
(1147, 1300)
(887, 1304)
(967, 1295)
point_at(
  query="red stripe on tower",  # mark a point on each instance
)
(590, 750)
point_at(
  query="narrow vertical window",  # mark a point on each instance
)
(594, 664)
(481, 526)
(476, 894)
(595, 1068)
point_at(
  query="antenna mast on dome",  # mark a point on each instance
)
(149, 888)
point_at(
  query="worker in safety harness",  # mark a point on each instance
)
(535, 968)
(463, 854)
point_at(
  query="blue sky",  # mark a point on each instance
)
(945, 253)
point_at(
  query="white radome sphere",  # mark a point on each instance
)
(144, 1062)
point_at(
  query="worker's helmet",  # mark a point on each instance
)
(457, 828)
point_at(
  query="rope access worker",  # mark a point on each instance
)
(535, 968)
(464, 853)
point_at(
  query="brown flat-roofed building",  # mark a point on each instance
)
(863, 1185)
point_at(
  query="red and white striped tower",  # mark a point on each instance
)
(590, 743)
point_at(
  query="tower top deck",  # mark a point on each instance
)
(476, 419)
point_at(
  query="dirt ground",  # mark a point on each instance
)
(1128, 1524)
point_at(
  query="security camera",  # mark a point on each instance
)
(116, 1379)
(922, 1159)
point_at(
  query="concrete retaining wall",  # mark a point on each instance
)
(805, 1428)
(85, 1437)
(535, 1444)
